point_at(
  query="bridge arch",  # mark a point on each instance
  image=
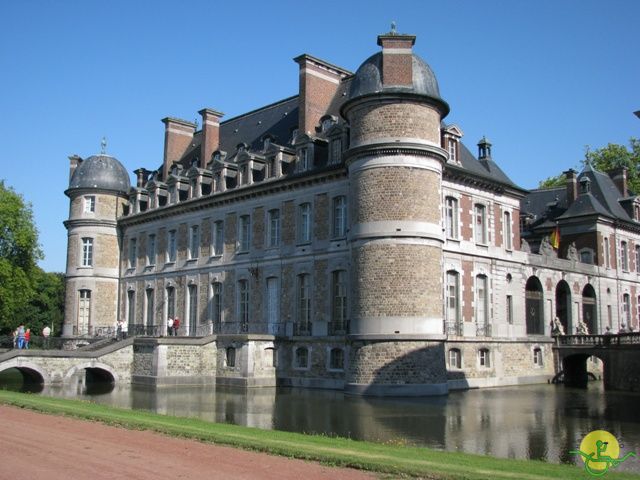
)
(31, 372)
(95, 370)
(574, 368)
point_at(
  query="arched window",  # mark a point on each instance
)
(537, 357)
(270, 357)
(484, 358)
(336, 359)
(534, 307)
(301, 358)
(455, 358)
(563, 305)
(589, 309)
(230, 357)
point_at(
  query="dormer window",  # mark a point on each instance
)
(452, 147)
(241, 147)
(303, 160)
(326, 123)
(636, 213)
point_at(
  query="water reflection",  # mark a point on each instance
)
(540, 422)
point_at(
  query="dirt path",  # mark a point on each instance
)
(36, 446)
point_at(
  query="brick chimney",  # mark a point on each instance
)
(178, 135)
(319, 82)
(74, 162)
(210, 134)
(397, 59)
(619, 177)
(572, 186)
(141, 177)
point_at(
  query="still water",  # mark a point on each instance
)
(538, 422)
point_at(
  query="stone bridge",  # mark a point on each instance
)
(620, 355)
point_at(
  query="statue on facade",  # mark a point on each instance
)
(572, 252)
(556, 327)
(582, 329)
(545, 247)
(524, 246)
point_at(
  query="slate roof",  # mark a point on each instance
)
(602, 199)
(485, 168)
(102, 172)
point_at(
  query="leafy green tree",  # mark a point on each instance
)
(607, 158)
(19, 253)
(46, 306)
(614, 156)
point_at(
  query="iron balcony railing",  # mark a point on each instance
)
(303, 329)
(338, 328)
(453, 328)
(483, 330)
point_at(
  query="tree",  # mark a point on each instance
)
(19, 253)
(46, 306)
(607, 158)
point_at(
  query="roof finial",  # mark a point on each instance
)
(393, 28)
(103, 145)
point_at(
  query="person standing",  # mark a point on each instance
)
(46, 332)
(119, 330)
(176, 326)
(21, 336)
(169, 326)
(125, 329)
(27, 338)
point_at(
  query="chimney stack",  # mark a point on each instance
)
(141, 177)
(619, 177)
(178, 135)
(74, 162)
(210, 134)
(572, 186)
(397, 59)
(319, 82)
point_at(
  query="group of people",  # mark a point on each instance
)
(22, 337)
(173, 325)
(121, 329)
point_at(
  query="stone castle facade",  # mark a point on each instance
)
(346, 238)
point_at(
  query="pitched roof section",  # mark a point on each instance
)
(487, 169)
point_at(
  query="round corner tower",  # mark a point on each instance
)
(395, 171)
(98, 187)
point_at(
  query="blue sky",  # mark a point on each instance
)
(541, 79)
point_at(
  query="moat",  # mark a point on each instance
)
(537, 422)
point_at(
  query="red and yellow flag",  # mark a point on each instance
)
(555, 238)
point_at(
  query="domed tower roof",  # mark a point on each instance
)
(370, 79)
(102, 172)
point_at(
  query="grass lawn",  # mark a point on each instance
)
(389, 459)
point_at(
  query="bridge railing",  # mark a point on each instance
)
(608, 340)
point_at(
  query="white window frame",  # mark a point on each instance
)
(480, 235)
(172, 246)
(507, 230)
(194, 242)
(273, 228)
(452, 217)
(624, 256)
(90, 204)
(217, 240)
(304, 222)
(87, 252)
(454, 359)
(296, 364)
(244, 233)
(339, 216)
(133, 252)
(484, 358)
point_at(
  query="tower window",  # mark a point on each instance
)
(87, 252)
(89, 204)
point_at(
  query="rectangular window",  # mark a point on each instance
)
(151, 250)
(510, 309)
(171, 246)
(607, 250)
(131, 307)
(339, 301)
(336, 150)
(336, 359)
(87, 252)
(171, 302)
(484, 357)
(637, 258)
(273, 228)
(304, 301)
(273, 305)
(133, 252)
(451, 217)
(193, 309)
(506, 229)
(452, 150)
(194, 241)
(624, 256)
(243, 304)
(84, 312)
(216, 303)
(482, 305)
(480, 223)
(244, 232)
(218, 238)
(89, 204)
(453, 312)
(339, 216)
(150, 308)
(303, 160)
(304, 223)
(455, 358)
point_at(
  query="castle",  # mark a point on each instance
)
(346, 238)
